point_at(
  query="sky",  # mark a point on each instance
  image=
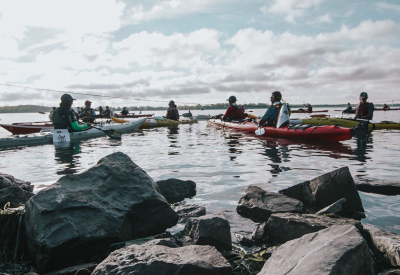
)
(145, 53)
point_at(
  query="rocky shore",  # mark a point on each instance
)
(114, 219)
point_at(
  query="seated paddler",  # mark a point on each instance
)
(234, 112)
(172, 111)
(270, 117)
(64, 117)
(364, 109)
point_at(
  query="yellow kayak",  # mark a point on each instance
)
(343, 122)
(158, 122)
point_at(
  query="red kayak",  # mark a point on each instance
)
(381, 109)
(305, 111)
(307, 132)
(22, 128)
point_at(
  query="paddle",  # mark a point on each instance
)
(260, 131)
(40, 112)
(113, 134)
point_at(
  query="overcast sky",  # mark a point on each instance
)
(199, 51)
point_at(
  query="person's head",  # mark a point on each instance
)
(54, 108)
(363, 97)
(232, 99)
(171, 104)
(88, 103)
(67, 100)
(348, 103)
(106, 107)
(276, 96)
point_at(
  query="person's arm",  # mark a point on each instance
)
(270, 114)
(93, 112)
(78, 127)
(176, 114)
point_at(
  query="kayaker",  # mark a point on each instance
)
(270, 118)
(51, 114)
(234, 112)
(107, 112)
(308, 106)
(386, 107)
(124, 111)
(100, 110)
(78, 111)
(172, 111)
(64, 117)
(88, 112)
(348, 109)
(364, 109)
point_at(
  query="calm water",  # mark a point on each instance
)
(222, 163)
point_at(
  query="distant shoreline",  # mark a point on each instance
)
(36, 108)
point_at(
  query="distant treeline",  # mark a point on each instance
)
(35, 108)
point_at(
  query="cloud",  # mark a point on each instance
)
(292, 9)
(165, 9)
(386, 6)
(326, 18)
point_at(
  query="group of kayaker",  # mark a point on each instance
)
(364, 110)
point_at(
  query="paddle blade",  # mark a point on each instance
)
(260, 131)
(283, 116)
(114, 134)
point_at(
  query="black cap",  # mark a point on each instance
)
(363, 95)
(67, 97)
(232, 98)
(171, 102)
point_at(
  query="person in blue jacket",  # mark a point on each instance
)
(270, 117)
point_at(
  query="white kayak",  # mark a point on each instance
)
(46, 137)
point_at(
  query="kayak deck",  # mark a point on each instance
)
(301, 132)
(345, 122)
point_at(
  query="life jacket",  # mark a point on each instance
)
(278, 109)
(86, 112)
(362, 109)
(239, 112)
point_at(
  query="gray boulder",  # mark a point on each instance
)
(327, 189)
(175, 190)
(189, 211)
(338, 250)
(162, 260)
(390, 188)
(14, 191)
(283, 227)
(258, 204)
(170, 242)
(211, 230)
(385, 245)
(334, 208)
(77, 219)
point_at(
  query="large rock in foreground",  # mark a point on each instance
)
(175, 190)
(338, 250)
(283, 227)
(327, 189)
(162, 260)
(384, 245)
(76, 219)
(390, 188)
(14, 191)
(258, 204)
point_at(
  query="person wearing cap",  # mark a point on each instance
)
(100, 110)
(87, 114)
(124, 111)
(107, 112)
(386, 107)
(64, 117)
(364, 109)
(270, 118)
(308, 106)
(172, 111)
(234, 112)
(348, 110)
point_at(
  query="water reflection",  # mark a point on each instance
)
(172, 136)
(363, 148)
(67, 154)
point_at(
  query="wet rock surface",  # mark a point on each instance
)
(258, 204)
(175, 190)
(162, 260)
(337, 250)
(15, 191)
(77, 219)
(186, 211)
(389, 188)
